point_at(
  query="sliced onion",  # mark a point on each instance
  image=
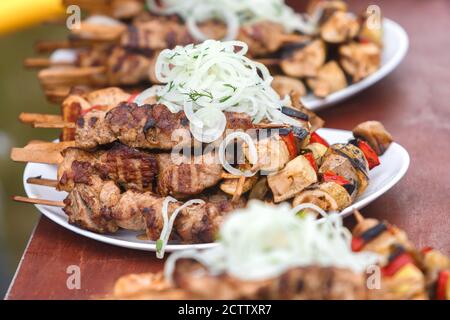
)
(168, 223)
(253, 153)
(310, 206)
(213, 126)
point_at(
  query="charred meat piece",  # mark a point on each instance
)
(100, 207)
(375, 134)
(360, 60)
(303, 60)
(340, 27)
(138, 170)
(296, 284)
(329, 79)
(148, 126)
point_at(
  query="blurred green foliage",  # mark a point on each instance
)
(19, 92)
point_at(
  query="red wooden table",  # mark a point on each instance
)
(413, 103)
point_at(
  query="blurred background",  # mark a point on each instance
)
(19, 91)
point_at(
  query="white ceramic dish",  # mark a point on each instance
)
(394, 164)
(396, 45)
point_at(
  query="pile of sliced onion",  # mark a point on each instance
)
(264, 241)
(207, 79)
(235, 13)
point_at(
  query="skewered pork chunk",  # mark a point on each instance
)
(152, 127)
(375, 134)
(101, 207)
(294, 178)
(303, 60)
(360, 60)
(329, 79)
(340, 27)
(138, 170)
(299, 284)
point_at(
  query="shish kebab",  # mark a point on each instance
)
(332, 267)
(280, 176)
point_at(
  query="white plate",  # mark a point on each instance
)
(394, 164)
(396, 44)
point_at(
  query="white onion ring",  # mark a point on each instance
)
(253, 153)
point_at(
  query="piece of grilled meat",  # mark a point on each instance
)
(138, 170)
(312, 283)
(148, 126)
(101, 207)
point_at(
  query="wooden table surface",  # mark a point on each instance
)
(413, 103)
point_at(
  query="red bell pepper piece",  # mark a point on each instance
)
(441, 288)
(396, 264)
(371, 156)
(289, 140)
(310, 157)
(315, 138)
(426, 250)
(330, 176)
(84, 112)
(132, 97)
(357, 244)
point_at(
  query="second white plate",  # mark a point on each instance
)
(396, 43)
(394, 164)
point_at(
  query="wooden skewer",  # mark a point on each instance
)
(271, 126)
(43, 182)
(48, 152)
(39, 201)
(43, 63)
(358, 216)
(31, 118)
(229, 176)
(48, 46)
(54, 125)
(69, 76)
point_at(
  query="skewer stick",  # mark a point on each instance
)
(31, 118)
(48, 45)
(54, 125)
(43, 182)
(271, 126)
(48, 152)
(69, 76)
(43, 63)
(229, 176)
(358, 216)
(50, 203)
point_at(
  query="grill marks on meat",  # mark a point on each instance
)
(313, 283)
(131, 168)
(152, 127)
(100, 207)
(134, 169)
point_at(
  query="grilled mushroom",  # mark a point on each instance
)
(294, 178)
(229, 186)
(284, 86)
(375, 134)
(340, 27)
(303, 61)
(329, 79)
(329, 196)
(360, 60)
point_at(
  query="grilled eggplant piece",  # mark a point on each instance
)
(329, 196)
(294, 178)
(260, 189)
(340, 27)
(329, 79)
(284, 86)
(305, 60)
(358, 162)
(360, 60)
(375, 134)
